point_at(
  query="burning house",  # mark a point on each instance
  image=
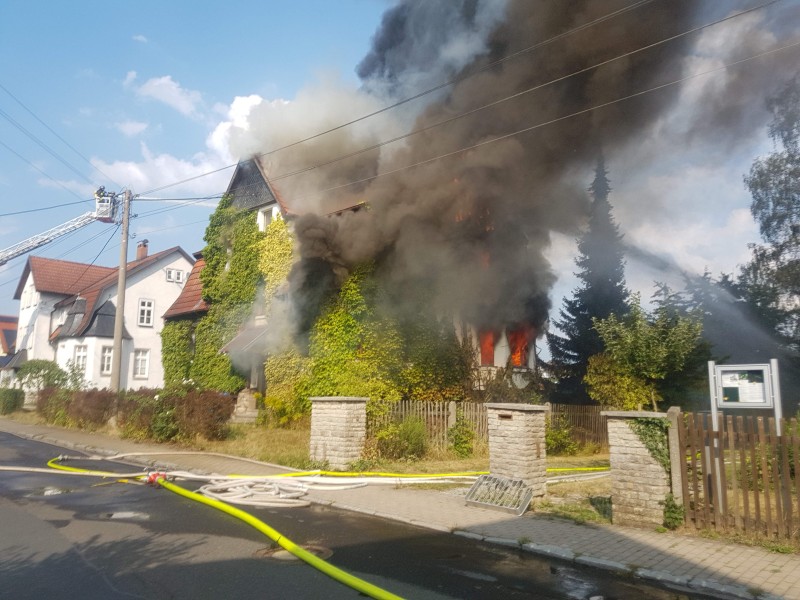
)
(466, 181)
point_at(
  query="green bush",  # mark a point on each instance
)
(461, 436)
(11, 400)
(135, 412)
(558, 437)
(53, 404)
(407, 439)
(674, 513)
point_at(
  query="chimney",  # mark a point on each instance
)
(141, 250)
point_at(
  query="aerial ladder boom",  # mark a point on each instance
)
(105, 211)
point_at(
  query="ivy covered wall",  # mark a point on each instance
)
(357, 345)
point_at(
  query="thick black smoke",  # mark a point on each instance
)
(472, 229)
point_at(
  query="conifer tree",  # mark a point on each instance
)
(601, 293)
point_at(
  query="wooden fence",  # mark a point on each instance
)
(743, 476)
(586, 423)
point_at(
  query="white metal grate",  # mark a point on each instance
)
(500, 493)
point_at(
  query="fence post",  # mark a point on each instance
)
(451, 414)
(639, 483)
(675, 454)
(517, 443)
(338, 429)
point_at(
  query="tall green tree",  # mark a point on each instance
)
(642, 350)
(601, 293)
(770, 283)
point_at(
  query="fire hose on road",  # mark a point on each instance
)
(269, 491)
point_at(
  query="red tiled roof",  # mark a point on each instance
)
(8, 334)
(60, 276)
(190, 300)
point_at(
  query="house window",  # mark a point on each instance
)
(79, 358)
(106, 356)
(141, 364)
(175, 275)
(145, 313)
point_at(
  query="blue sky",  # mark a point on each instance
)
(140, 86)
(147, 92)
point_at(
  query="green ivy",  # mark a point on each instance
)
(275, 256)
(230, 280)
(674, 513)
(352, 351)
(461, 435)
(653, 434)
(176, 351)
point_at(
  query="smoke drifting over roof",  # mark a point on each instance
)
(474, 227)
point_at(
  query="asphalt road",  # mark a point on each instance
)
(79, 537)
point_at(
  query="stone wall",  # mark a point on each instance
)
(517, 444)
(338, 429)
(638, 482)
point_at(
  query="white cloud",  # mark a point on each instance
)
(130, 77)
(166, 90)
(140, 38)
(131, 128)
(156, 170)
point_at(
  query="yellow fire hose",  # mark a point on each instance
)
(321, 565)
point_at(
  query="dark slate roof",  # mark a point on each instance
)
(250, 187)
(17, 360)
(102, 323)
(189, 302)
(250, 340)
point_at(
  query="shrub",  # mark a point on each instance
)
(89, 408)
(461, 436)
(53, 404)
(203, 413)
(407, 439)
(149, 414)
(674, 513)
(558, 436)
(10, 400)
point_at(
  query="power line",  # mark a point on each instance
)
(63, 141)
(556, 120)
(41, 144)
(440, 86)
(31, 210)
(516, 95)
(54, 180)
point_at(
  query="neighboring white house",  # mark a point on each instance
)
(67, 312)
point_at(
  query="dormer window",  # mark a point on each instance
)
(175, 275)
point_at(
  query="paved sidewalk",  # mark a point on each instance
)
(712, 567)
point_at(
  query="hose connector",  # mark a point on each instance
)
(154, 477)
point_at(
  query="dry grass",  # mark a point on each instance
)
(287, 447)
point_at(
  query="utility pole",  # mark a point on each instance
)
(119, 317)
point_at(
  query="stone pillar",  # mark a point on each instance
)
(516, 444)
(639, 483)
(338, 429)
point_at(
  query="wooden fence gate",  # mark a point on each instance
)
(741, 477)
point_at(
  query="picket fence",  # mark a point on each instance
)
(742, 476)
(586, 422)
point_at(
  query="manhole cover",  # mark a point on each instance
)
(284, 556)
